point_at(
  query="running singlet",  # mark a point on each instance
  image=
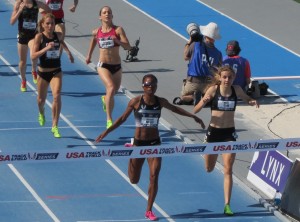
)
(51, 59)
(222, 103)
(147, 115)
(57, 8)
(27, 21)
(105, 40)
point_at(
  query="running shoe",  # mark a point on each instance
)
(103, 103)
(227, 210)
(109, 123)
(23, 86)
(42, 119)
(34, 77)
(150, 215)
(55, 132)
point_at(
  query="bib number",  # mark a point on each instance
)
(55, 6)
(149, 121)
(226, 105)
(29, 25)
(52, 54)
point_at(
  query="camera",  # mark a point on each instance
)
(194, 32)
(132, 53)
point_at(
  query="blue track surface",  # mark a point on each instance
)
(99, 190)
(266, 58)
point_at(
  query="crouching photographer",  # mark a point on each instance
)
(203, 58)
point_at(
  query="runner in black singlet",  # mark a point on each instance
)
(147, 111)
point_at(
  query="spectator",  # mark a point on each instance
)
(240, 65)
(203, 58)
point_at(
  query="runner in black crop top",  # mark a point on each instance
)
(222, 103)
(222, 125)
(28, 19)
(26, 13)
(147, 134)
(147, 115)
(47, 46)
(51, 59)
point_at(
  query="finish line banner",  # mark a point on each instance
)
(169, 150)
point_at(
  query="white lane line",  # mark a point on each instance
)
(33, 193)
(17, 173)
(227, 16)
(140, 191)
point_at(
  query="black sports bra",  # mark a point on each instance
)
(223, 103)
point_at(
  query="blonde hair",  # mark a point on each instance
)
(43, 19)
(217, 75)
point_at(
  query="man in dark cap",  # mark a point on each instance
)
(239, 64)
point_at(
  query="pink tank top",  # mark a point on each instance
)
(105, 40)
(57, 8)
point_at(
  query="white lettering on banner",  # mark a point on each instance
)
(274, 169)
(279, 174)
(263, 167)
(271, 168)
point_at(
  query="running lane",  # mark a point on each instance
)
(267, 59)
(95, 190)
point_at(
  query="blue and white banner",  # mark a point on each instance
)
(164, 150)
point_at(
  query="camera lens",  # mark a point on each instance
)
(193, 29)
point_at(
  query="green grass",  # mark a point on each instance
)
(297, 1)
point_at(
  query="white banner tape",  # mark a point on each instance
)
(169, 150)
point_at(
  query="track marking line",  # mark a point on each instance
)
(33, 193)
(91, 144)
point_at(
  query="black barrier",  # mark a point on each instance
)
(290, 202)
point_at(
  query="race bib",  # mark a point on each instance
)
(52, 54)
(55, 6)
(29, 25)
(226, 105)
(106, 43)
(149, 121)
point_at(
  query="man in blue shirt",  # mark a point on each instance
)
(203, 58)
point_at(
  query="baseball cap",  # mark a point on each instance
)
(233, 48)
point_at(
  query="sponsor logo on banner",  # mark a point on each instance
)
(179, 149)
(121, 153)
(46, 156)
(293, 144)
(84, 155)
(238, 146)
(194, 149)
(167, 150)
(113, 153)
(148, 152)
(156, 151)
(270, 145)
(29, 156)
(269, 171)
(104, 153)
(18, 157)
